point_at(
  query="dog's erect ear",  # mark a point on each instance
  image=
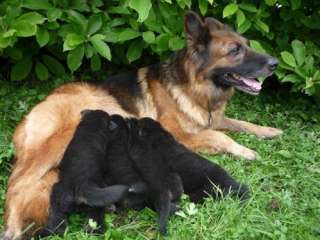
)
(112, 125)
(84, 112)
(194, 27)
(214, 25)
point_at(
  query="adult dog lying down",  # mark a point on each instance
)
(187, 94)
(106, 155)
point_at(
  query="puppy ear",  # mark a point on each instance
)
(194, 27)
(84, 112)
(112, 125)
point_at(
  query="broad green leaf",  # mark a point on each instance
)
(74, 58)
(134, 50)
(53, 65)
(230, 9)
(291, 78)
(299, 51)
(21, 69)
(101, 47)
(5, 42)
(162, 42)
(295, 4)
(94, 24)
(176, 43)
(53, 14)
(128, 34)
(41, 71)
(288, 58)
(32, 17)
(8, 33)
(248, 7)
(119, 10)
(240, 17)
(203, 6)
(261, 25)
(24, 28)
(88, 50)
(14, 53)
(72, 41)
(95, 63)
(257, 46)
(78, 19)
(142, 7)
(148, 37)
(42, 36)
(36, 4)
(244, 26)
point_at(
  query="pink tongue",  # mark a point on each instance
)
(252, 83)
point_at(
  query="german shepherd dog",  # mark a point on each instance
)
(188, 94)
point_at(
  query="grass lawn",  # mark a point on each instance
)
(284, 180)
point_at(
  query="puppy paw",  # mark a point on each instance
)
(269, 132)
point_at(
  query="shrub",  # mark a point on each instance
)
(54, 37)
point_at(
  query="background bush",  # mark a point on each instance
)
(40, 38)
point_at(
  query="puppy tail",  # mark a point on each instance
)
(101, 197)
(163, 206)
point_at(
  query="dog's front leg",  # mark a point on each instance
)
(242, 126)
(214, 142)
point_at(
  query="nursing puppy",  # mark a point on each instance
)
(198, 174)
(82, 169)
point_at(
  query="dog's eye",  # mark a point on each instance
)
(236, 49)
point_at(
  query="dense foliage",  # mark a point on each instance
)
(39, 38)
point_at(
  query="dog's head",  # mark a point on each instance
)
(223, 57)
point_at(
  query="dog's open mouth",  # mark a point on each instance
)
(245, 84)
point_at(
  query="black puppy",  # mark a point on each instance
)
(130, 162)
(82, 169)
(198, 174)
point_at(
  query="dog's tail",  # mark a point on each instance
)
(99, 197)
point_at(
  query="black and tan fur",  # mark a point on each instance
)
(188, 94)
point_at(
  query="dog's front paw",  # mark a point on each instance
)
(249, 154)
(269, 132)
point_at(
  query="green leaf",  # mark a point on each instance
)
(53, 65)
(257, 46)
(244, 26)
(162, 42)
(101, 47)
(142, 7)
(299, 51)
(248, 7)
(203, 6)
(230, 9)
(288, 58)
(176, 43)
(291, 78)
(95, 63)
(24, 28)
(261, 25)
(134, 50)
(72, 41)
(32, 17)
(74, 58)
(41, 71)
(21, 69)
(42, 36)
(94, 24)
(240, 17)
(36, 4)
(295, 4)
(128, 34)
(53, 14)
(78, 19)
(149, 37)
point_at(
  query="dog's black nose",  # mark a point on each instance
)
(272, 63)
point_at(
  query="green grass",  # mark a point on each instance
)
(285, 180)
